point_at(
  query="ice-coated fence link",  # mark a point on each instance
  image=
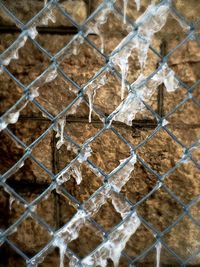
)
(135, 96)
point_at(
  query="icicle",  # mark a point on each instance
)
(123, 64)
(61, 141)
(90, 99)
(59, 242)
(137, 4)
(77, 174)
(116, 243)
(125, 9)
(99, 21)
(158, 252)
(51, 75)
(11, 200)
(48, 16)
(91, 92)
(149, 23)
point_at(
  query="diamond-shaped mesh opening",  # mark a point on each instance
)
(77, 184)
(24, 11)
(80, 131)
(161, 148)
(9, 146)
(90, 182)
(188, 13)
(160, 210)
(54, 100)
(188, 235)
(184, 182)
(11, 92)
(67, 208)
(141, 183)
(80, 54)
(113, 148)
(27, 67)
(30, 237)
(105, 92)
(89, 238)
(107, 216)
(140, 241)
(4, 206)
(103, 41)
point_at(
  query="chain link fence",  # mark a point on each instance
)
(76, 155)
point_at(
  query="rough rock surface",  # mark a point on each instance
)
(160, 153)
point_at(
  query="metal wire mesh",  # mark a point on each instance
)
(54, 124)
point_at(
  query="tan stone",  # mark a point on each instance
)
(26, 10)
(4, 206)
(161, 152)
(31, 236)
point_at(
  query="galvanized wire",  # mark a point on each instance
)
(158, 123)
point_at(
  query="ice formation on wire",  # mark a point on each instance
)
(152, 21)
(12, 51)
(158, 252)
(133, 104)
(115, 244)
(141, 90)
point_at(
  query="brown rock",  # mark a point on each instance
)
(31, 236)
(26, 10)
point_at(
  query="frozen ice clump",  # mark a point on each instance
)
(12, 51)
(120, 178)
(70, 231)
(11, 118)
(74, 169)
(143, 90)
(49, 75)
(152, 21)
(60, 132)
(113, 247)
(99, 20)
(91, 91)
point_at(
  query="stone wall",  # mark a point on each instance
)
(161, 153)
